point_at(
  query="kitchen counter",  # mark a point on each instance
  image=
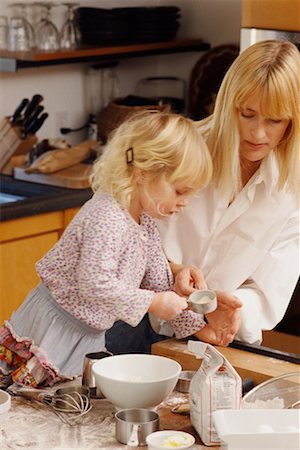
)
(38, 198)
(31, 425)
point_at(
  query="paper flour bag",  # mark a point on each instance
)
(216, 385)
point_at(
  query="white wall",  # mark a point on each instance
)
(65, 87)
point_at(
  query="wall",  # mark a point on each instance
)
(64, 88)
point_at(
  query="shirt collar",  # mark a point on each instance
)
(267, 173)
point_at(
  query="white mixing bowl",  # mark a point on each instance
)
(136, 380)
(5, 401)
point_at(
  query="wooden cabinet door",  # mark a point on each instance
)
(17, 269)
(69, 214)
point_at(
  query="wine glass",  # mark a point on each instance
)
(3, 33)
(70, 35)
(47, 35)
(19, 10)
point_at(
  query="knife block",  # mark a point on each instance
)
(12, 147)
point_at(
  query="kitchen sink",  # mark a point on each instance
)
(23, 199)
(15, 191)
(8, 198)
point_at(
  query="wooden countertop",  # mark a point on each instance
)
(30, 424)
(248, 365)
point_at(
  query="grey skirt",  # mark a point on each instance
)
(63, 339)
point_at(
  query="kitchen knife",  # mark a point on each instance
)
(32, 105)
(17, 114)
(14, 120)
(34, 126)
(33, 116)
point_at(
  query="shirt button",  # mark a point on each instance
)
(143, 237)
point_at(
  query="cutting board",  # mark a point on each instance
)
(259, 368)
(74, 177)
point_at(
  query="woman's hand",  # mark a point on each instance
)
(207, 334)
(224, 322)
(167, 305)
(187, 279)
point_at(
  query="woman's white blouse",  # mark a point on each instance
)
(249, 248)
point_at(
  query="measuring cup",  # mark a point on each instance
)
(88, 379)
(133, 425)
(203, 302)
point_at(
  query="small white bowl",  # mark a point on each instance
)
(5, 401)
(162, 440)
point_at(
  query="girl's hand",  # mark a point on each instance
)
(167, 305)
(187, 279)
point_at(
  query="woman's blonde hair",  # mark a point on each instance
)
(270, 69)
(159, 143)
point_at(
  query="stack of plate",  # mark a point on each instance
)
(151, 24)
(101, 26)
(128, 25)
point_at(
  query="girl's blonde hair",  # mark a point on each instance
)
(161, 143)
(270, 69)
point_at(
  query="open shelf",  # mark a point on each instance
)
(12, 61)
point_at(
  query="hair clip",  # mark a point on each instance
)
(129, 155)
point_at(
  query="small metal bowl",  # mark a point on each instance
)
(183, 383)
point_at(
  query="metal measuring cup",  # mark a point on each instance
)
(88, 379)
(203, 301)
(133, 425)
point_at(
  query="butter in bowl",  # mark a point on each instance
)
(161, 440)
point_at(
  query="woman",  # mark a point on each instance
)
(243, 229)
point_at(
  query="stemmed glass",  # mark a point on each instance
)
(70, 35)
(19, 11)
(47, 35)
(18, 39)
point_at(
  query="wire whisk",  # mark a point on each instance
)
(69, 404)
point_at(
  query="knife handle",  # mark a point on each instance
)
(16, 115)
(34, 102)
(35, 125)
(33, 116)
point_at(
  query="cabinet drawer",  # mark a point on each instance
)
(17, 269)
(29, 226)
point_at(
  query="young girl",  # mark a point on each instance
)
(109, 264)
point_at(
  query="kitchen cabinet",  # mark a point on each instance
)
(12, 61)
(23, 242)
(68, 215)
